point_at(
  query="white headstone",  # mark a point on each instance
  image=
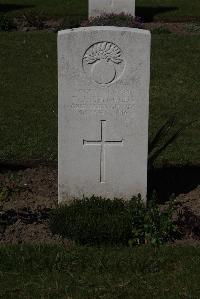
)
(99, 7)
(103, 79)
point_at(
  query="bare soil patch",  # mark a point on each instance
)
(31, 22)
(177, 28)
(187, 215)
(27, 196)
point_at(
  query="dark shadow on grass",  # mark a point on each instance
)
(147, 13)
(4, 8)
(22, 165)
(172, 180)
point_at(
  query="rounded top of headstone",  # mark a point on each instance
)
(105, 28)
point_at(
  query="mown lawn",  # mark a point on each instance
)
(81, 272)
(175, 90)
(167, 10)
(28, 97)
(50, 8)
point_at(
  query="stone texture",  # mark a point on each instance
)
(103, 78)
(99, 7)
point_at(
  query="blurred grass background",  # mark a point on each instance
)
(157, 10)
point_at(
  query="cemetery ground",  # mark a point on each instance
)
(81, 272)
(48, 266)
(29, 177)
(75, 11)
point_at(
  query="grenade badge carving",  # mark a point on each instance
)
(103, 62)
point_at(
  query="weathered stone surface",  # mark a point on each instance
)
(99, 7)
(103, 80)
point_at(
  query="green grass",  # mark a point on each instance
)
(28, 98)
(51, 8)
(168, 10)
(80, 272)
(175, 89)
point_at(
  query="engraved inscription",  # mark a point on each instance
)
(121, 103)
(103, 62)
(102, 142)
(111, 106)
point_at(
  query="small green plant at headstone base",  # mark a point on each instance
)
(120, 20)
(151, 225)
(93, 221)
(99, 221)
(158, 225)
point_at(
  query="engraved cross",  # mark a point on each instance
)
(102, 142)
